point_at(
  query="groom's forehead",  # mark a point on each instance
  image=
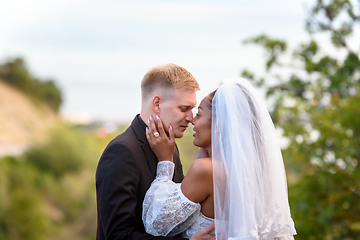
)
(184, 97)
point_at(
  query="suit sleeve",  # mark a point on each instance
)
(117, 180)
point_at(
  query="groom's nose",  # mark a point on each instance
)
(189, 116)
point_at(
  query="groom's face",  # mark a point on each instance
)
(177, 110)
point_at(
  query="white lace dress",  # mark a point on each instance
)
(166, 210)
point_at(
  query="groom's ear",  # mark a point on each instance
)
(156, 104)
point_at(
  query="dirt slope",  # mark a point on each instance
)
(22, 121)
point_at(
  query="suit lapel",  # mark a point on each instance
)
(151, 158)
(139, 130)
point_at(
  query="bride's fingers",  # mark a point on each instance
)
(162, 129)
(209, 228)
(160, 126)
(171, 135)
(151, 129)
(151, 124)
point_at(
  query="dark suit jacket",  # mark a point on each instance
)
(124, 173)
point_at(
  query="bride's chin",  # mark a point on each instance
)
(197, 144)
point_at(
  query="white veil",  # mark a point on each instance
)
(250, 190)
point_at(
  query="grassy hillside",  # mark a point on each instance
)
(23, 122)
(48, 191)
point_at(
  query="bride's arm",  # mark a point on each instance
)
(198, 184)
(166, 211)
(161, 216)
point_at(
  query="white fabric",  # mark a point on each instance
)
(166, 210)
(201, 222)
(250, 191)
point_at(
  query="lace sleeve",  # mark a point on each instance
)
(164, 171)
(166, 210)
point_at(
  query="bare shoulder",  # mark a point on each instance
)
(197, 184)
(201, 167)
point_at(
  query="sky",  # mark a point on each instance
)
(98, 51)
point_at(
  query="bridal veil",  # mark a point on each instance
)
(250, 190)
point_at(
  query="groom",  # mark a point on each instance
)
(128, 165)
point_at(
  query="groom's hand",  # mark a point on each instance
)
(204, 233)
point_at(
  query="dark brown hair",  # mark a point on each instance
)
(211, 97)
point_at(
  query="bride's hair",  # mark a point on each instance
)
(167, 76)
(211, 97)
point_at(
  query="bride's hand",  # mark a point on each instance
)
(204, 233)
(162, 145)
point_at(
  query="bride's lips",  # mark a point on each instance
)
(194, 132)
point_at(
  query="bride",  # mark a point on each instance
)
(240, 184)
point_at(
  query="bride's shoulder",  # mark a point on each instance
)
(197, 184)
(203, 161)
(202, 167)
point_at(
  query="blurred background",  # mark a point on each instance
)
(70, 74)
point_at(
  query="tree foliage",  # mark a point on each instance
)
(317, 108)
(15, 72)
(49, 192)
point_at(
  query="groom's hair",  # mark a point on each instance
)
(168, 77)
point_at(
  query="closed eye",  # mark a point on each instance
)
(199, 109)
(184, 109)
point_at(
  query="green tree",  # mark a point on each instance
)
(15, 72)
(317, 109)
(22, 209)
(49, 192)
(61, 155)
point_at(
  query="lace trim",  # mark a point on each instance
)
(280, 228)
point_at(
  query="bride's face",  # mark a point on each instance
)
(202, 124)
